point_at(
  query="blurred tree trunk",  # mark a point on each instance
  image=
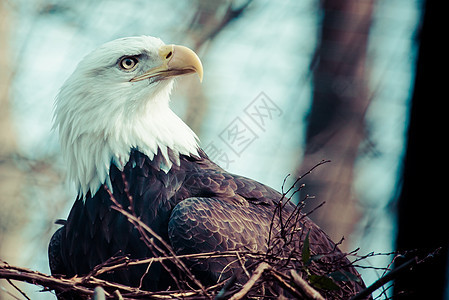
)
(336, 120)
(422, 213)
(13, 216)
(211, 17)
(11, 177)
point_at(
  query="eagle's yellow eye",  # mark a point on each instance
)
(128, 63)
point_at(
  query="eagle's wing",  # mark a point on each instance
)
(229, 212)
(202, 225)
(226, 197)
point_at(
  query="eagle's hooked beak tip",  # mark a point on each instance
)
(182, 59)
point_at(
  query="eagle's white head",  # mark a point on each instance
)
(116, 100)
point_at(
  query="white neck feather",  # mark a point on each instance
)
(94, 137)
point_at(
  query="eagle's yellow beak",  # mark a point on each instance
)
(176, 60)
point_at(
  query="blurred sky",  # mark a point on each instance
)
(268, 50)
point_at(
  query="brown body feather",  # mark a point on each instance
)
(196, 207)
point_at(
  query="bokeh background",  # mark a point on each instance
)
(302, 80)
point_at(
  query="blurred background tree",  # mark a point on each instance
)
(336, 122)
(340, 74)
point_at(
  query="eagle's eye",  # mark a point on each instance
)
(128, 63)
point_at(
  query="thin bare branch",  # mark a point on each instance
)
(309, 291)
(250, 283)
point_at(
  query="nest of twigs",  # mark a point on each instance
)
(288, 268)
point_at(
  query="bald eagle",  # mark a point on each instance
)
(117, 130)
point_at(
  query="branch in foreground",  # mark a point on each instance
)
(288, 263)
(308, 290)
(250, 283)
(393, 274)
(144, 228)
(26, 275)
(293, 284)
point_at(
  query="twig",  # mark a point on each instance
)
(141, 225)
(34, 277)
(393, 274)
(118, 295)
(383, 280)
(17, 289)
(309, 291)
(305, 174)
(252, 280)
(113, 261)
(242, 263)
(144, 274)
(285, 284)
(207, 255)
